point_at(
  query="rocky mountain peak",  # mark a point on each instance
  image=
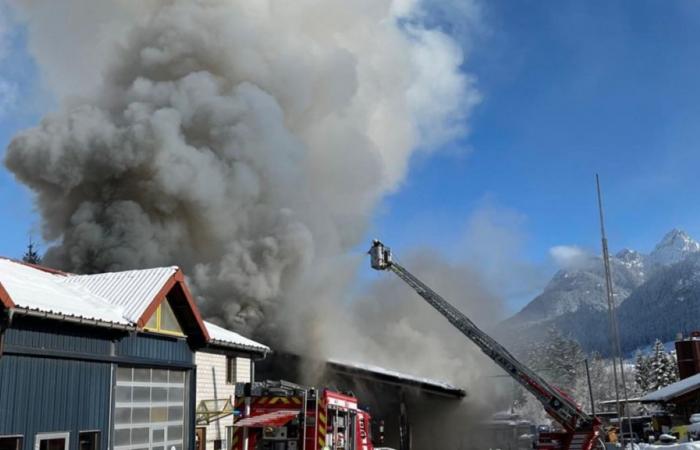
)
(628, 255)
(675, 246)
(660, 288)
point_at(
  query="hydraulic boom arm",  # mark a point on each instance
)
(559, 406)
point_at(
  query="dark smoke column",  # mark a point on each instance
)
(247, 142)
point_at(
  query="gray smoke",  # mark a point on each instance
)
(8, 89)
(389, 325)
(248, 142)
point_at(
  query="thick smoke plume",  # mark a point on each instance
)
(249, 142)
(245, 141)
(391, 326)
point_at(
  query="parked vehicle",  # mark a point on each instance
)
(278, 415)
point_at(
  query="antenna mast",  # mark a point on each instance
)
(614, 330)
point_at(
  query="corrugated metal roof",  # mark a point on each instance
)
(114, 297)
(132, 290)
(408, 378)
(228, 338)
(34, 289)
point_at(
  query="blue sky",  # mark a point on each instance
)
(569, 89)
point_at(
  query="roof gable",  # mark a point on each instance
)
(182, 303)
(128, 298)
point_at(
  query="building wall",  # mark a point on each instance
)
(57, 377)
(211, 385)
(155, 347)
(40, 395)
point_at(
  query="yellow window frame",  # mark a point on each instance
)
(158, 328)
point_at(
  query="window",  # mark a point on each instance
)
(218, 443)
(51, 441)
(10, 442)
(89, 440)
(230, 369)
(163, 320)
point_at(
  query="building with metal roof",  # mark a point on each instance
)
(227, 359)
(400, 399)
(106, 361)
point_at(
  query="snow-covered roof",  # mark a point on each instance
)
(401, 377)
(38, 290)
(227, 338)
(672, 391)
(132, 290)
(111, 298)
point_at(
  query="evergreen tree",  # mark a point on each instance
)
(31, 256)
(662, 368)
(642, 372)
(558, 358)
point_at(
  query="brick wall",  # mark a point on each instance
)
(211, 384)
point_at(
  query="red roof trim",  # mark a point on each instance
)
(160, 296)
(5, 298)
(180, 277)
(177, 278)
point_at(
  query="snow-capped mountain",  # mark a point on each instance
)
(575, 300)
(584, 287)
(666, 304)
(674, 247)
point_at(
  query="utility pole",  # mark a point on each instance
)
(614, 330)
(590, 388)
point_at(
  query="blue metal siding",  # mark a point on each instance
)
(50, 395)
(151, 346)
(56, 377)
(54, 335)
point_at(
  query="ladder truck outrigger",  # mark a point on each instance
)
(580, 429)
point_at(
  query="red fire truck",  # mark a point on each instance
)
(278, 415)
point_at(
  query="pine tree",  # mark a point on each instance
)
(642, 369)
(31, 256)
(662, 368)
(558, 358)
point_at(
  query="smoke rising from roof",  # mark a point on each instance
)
(389, 325)
(249, 143)
(246, 141)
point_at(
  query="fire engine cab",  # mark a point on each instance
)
(278, 415)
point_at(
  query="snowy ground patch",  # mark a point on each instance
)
(677, 446)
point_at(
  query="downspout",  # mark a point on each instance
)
(112, 388)
(260, 357)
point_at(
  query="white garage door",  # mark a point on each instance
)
(149, 407)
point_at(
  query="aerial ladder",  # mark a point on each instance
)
(580, 430)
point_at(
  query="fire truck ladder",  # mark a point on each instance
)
(581, 428)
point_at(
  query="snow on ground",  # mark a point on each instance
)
(678, 446)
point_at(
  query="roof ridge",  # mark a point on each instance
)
(74, 275)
